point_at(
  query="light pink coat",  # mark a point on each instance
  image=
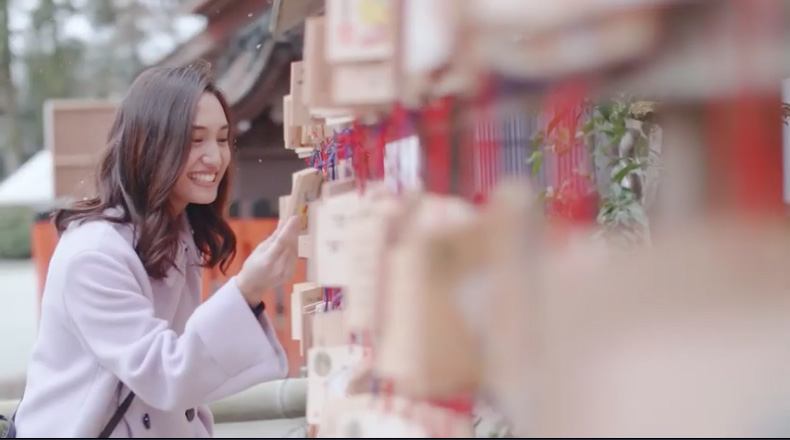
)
(105, 322)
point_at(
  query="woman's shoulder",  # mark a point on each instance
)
(97, 236)
(91, 252)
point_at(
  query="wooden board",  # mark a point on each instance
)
(76, 133)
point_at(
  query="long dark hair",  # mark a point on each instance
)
(148, 147)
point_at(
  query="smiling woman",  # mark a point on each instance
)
(125, 348)
(170, 131)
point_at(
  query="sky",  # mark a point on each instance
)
(79, 27)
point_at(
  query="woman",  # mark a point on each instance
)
(121, 311)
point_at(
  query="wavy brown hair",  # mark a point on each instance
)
(148, 147)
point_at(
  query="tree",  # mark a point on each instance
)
(101, 66)
(12, 145)
(125, 27)
(52, 65)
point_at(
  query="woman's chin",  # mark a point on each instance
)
(206, 199)
(202, 202)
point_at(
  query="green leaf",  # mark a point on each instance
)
(605, 110)
(536, 159)
(538, 139)
(588, 126)
(620, 175)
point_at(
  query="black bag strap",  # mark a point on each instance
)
(111, 425)
(116, 418)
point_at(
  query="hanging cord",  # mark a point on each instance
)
(330, 153)
(316, 160)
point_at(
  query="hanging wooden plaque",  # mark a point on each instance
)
(361, 41)
(303, 294)
(372, 416)
(306, 188)
(300, 114)
(330, 229)
(329, 372)
(317, 72)
(428, 349)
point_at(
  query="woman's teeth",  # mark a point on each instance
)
(203, 177)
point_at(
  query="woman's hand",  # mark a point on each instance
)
(271, 263)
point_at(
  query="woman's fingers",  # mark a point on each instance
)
(273, 261)
(286, 265)
(290, 264)
(288, 237)
(288, 227)
(291, 230)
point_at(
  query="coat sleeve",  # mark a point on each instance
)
(224, 349)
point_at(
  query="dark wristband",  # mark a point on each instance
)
(258, 310)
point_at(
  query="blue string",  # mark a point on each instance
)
(332, 161)
(316, 163)
(326, 298)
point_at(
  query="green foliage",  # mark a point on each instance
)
(604, 127)
(15, 230)
(621, 215)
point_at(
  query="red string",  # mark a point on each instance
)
(359, 157)
(396, 131)
(457, 405)
(437, 145)
(574, 201)
(387, 391)
(481, 161)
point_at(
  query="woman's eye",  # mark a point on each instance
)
(222, 141)
(197, 141)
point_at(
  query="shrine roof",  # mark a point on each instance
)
(250, 65)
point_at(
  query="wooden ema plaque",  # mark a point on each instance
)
(367, 248)
(436, 63)
(427, 348)
(370, 416)
(318, 74)
(330, 230)
(306, 188)
(300, 112)
(75, 151)
(693, 329)
(292, 133)
(302, 295)
(330, 362)
(546, 48)
(361, 40)
(514, 253)
(349, 231)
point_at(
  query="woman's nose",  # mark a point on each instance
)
(212, 156)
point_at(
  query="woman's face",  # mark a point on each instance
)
(209, 156)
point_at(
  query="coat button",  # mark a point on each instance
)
(190, 414)
(147, 421)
